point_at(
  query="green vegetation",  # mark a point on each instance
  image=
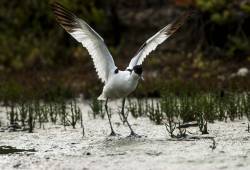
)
(29, 33)
(226, 26)
(28, 114)
(43, 70)
(97, 108)
(38, 59)
(177, 111)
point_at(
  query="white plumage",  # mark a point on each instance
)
(97, 49)
(120, 85)
(149, 46)
(117, 84)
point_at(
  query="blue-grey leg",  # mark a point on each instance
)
(132, 133)
(109, 117)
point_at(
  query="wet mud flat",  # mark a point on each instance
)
(56, 148)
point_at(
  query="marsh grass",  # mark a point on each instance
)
(232, 110)
(76, 114)
(155, 112)
(140, 107)
(204, 108)
(246, 107)
(11, 112)
(132, 108)
(221, 106)
(53, 111)
(31, 118)
(63, 113)
(97, 108)
(12, 115)
(26, 115)
(175, 110)
(170, 109)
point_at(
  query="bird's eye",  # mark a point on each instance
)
(116, 71)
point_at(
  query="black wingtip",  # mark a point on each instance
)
(179, 22)
(66, 18)
(56, 4)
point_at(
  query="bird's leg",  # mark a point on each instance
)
(132, 133)
(109, 117)
(124, 118)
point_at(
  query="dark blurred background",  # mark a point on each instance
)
(39, 59)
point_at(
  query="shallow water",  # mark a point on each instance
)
(11, 150)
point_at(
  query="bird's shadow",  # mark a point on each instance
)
(133, 141)
(123, 141)
(115, 146)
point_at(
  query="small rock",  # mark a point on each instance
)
(153, 153)
(117, 124)
(17, 165)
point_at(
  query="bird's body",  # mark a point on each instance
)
(117, 84)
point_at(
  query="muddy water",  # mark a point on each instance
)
(11, 150)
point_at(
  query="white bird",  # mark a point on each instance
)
(117, 83)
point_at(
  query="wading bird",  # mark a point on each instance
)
(117, 83)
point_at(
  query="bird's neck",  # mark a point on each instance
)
(134, 76)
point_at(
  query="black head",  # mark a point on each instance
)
(138, 69)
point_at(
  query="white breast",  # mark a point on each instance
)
(120, 85)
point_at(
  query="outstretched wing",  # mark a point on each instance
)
(157, 39)
(84, 34)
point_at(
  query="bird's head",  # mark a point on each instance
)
(138, 69)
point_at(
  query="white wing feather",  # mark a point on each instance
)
(90, 39)
(151, 44)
